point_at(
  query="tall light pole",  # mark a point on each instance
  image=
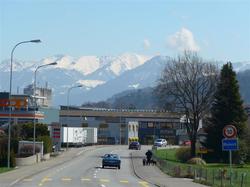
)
(35, 104)
(10, 89)
(77, 86)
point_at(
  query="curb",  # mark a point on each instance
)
(137, 175)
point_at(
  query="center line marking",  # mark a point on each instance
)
(104, 180)
(144, 183)
(123, 181)
(46, 179)
(84, 179)
(66, 179)
(27, 180)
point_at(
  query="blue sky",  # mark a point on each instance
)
(218, 30)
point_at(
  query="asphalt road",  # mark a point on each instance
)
(85, 170)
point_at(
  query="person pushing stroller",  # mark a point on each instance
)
(149, 155)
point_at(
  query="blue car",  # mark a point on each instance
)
(112, 160)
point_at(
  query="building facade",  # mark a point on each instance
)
(121, 126)
(43, 95)
(22, 109)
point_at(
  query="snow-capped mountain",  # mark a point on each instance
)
(101, 77)
(89, 71)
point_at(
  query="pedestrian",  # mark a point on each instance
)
(149, 156)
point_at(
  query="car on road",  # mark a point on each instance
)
(186, 143)
(134, 145)
(160, 142)
(111, 160)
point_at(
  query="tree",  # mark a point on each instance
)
(25, 131)
(190, 83)
(227, 109)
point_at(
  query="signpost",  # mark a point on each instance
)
(230, 143)
(229, 131)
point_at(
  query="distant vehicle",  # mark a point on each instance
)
(73, 136)
(112, 160)
(186, 143)
(91, 138)
(79, 136)
(160, 143)
(134, 145)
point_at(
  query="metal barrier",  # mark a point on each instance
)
(209, 176)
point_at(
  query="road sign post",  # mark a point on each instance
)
(230, 143)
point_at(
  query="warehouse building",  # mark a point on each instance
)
(122, 126)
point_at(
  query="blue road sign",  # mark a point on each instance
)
(230, 144)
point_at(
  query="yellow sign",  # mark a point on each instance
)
(202, 150)
(17, 103)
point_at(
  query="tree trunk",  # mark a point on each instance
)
(193, 146)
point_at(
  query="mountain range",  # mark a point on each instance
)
(100, 77)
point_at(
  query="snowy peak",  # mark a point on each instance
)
(241, 66)
(126, 62)
(17, 65)
(90, 64)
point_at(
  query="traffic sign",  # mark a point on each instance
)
(230, 144)
(229, 131)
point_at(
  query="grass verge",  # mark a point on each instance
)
(4, 169)
(213, 174)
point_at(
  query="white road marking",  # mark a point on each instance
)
(66, 179)
(144, 183)
(27, 180)
(102, 185)
(77, 154)
(46, 179)
(123, 181)
(85, 179)
(104, 180)
(14, 182)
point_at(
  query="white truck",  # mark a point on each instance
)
(79, 136)
(74, 135)
(91, 138)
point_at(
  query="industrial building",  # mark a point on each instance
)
(121, 126)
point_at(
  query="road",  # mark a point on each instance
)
(85, 171)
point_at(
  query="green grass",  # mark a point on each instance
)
(4, 169)
(212, 169)
(166, 154)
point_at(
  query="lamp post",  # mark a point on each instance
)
(35, 104)
(78, 86)
(10, 89)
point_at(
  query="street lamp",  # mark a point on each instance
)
(77, 86)
(35, 104)
(10, 89)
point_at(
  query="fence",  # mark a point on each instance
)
(209, 176)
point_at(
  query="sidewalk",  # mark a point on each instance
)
(8, 179)
(153, 175)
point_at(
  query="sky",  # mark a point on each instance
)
(216, 29)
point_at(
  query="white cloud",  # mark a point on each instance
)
(146, 44)
(182, 40)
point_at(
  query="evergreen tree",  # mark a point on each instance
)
(227, 108)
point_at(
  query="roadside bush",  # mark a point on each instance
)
(196, 161)
(47, 144)
(183, 154)
(4, 159)
(241, 156)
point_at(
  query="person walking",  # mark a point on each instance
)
(149, 155)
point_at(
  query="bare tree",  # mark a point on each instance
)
(190, 83)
